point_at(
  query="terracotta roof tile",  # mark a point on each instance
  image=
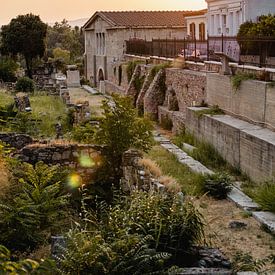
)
(148, 18)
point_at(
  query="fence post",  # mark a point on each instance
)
(207, 45)
(222, 43)
(184, 53)
(195, 49)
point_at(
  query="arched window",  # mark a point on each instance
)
(193, 31)
(202, 31)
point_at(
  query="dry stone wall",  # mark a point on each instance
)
(62, 154)
(17, 141)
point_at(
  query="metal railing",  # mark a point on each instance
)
(259, 51)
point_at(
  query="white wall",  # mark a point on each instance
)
(197, 20)
(226, 16)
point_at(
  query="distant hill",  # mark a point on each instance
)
(78, 22)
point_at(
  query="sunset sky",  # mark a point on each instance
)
(55, 10)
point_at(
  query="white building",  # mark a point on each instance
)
(226, 16)
(197, 26)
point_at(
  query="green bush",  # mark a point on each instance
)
(245, 262)
(26, 266)
(84, 133)
(134, 235)
(265, 196)
(8, 68)
(24, 84)
(37, 205)
(217, 185)
(121, 129)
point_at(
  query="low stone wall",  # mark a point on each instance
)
(62, 154)
(253, 101)
(17, 141)
(189, 86)
(110, 88)
(177, 118)
(244, 145)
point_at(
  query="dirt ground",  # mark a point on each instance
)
(79, 95)
(253, 239)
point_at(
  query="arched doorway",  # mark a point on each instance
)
(100, 76)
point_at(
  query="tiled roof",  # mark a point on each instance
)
(145, 18)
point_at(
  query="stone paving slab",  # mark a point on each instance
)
(242, 200)
(90, 90)
(266, 218)
(182, 157)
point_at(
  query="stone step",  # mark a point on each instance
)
(242, 200)
(267, 219)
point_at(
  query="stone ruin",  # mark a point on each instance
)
(82, 112)
(22, 102)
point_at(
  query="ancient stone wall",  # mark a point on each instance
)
(17, 141)
(244, 145)
(63, 154)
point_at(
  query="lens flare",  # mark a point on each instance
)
(74, 181)
(86, 162)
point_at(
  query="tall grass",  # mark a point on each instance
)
(5, 98)
(264, 195)
(190, 182)
(49, 110)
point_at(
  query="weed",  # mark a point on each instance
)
(214, 110)
(238, 78)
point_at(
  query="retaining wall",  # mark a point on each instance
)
(244, 145)
(253, 101)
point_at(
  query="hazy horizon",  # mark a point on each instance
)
(54, 11)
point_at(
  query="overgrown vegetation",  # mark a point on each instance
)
(264, 195)
(245, 262)
(206, 154)
(190, 182)
(131, 65)
(154, 71)
(212, 111)
(136, 234)
(217, 185)
(35, 205)
(24, 84)
(237, 79)
(26, 266)
(121, 129)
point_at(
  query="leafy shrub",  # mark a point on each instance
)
(135, 235)
(37, 205)
(245, 262)
(175, 224)
(25, 84)
(131, 65)
(121, 129)
(8, 68)
(24, 123)
(83, 133)
(265, 196)
(27, 266)
(217, 185)
(238, 78)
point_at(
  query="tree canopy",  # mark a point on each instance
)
(25, 35)
(265, 27)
